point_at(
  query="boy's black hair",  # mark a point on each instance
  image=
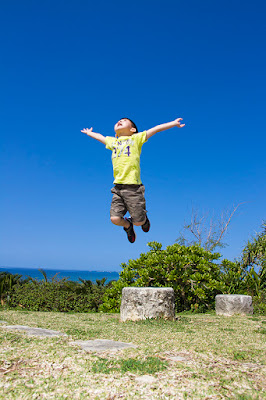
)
(133, 123)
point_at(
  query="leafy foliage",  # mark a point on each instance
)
(190, 271)
(7, 281)
(259, 303)
(254, 262)
(58, 295)
(233, 275)
(254, 256)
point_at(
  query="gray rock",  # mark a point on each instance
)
(146, 302)
(100, 345)
(230, 304)
(3, 322)
(35, 331)
(146, 379)
(177, 358)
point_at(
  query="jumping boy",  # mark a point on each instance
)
(128, 192)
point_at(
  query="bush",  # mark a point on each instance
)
(259, 304)
(254, 253)
(190, 271)
(234, 276)
(58, 295)
(7, 281)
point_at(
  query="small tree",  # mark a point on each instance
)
(208, 232)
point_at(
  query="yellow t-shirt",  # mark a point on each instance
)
(126, 152)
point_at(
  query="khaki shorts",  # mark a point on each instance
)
(129, 198)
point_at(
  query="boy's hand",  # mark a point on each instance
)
(87, 131)
(177, 122)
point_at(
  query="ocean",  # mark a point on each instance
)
(71, 275)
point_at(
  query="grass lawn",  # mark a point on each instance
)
(200, 356)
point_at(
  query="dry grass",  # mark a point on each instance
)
(197, 357)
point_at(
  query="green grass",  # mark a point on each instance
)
(240, 355)
(150, 365)
(201, 356)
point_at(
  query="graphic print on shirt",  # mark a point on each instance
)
(122, 147)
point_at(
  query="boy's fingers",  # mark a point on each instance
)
(87, 130)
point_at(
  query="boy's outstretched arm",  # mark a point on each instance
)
(164, 127)
(94, 135)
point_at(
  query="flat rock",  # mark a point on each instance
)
(35, 331)
(99, 345)
(3, 322)
(177, 358)
(146, 379)
(140, 303)
(230, 304)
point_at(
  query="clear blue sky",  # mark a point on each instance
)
(66, 65)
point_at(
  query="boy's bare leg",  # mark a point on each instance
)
(139, 223)
(120, 222)
(128, 227)
(123, 222)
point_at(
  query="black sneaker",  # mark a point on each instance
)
(130, 231)
(146, 226)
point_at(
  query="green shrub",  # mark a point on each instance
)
(254, 253)
(233, 275)
(190, 271)
(259, 303)
(57, 296)
(7, 281)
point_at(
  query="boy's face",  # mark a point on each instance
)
(124, 128)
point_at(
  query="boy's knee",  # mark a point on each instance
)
(116, 220)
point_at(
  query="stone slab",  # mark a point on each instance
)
(146, 379)
(3, 322)
(140, 303)
(230, 304)
(177, 358)
(34, 331)
(100, 345)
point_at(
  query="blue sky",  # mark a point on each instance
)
(67, 65)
